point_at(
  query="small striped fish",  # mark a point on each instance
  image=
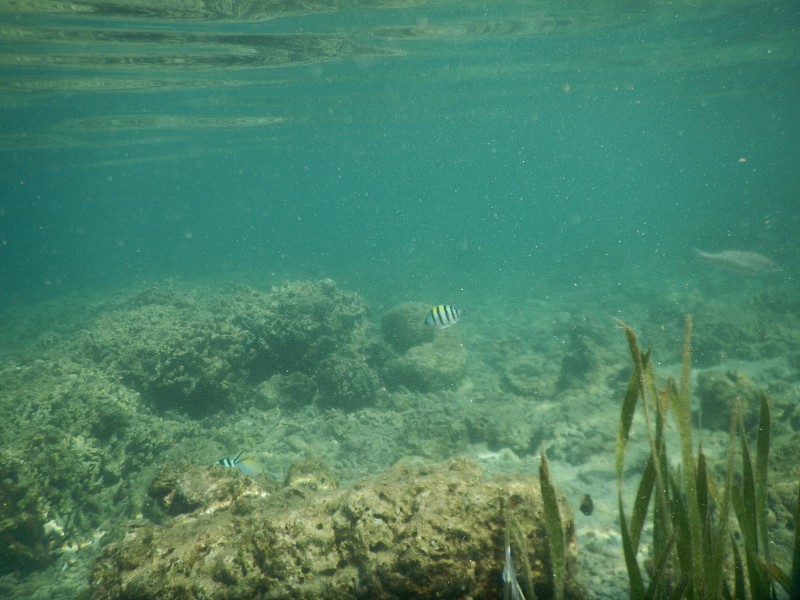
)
(443, 316)
(245, 466)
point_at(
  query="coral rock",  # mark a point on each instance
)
(403, 326)
(431, 532)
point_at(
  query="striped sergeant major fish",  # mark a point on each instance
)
(443, 316)
(245, 466)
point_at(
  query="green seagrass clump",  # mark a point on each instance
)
(693, 545)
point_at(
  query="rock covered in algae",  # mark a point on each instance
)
(346, 382)
(301, 323)
(403, 326)
(721, 394)
(178, 354)
(291, 391)
(581, 362)
(412, 532)
(62, 474)
(502, 427)
(318, 331)
(437, 365)
(310, 474)
(426, 359)
(529, 374)
(184, 488)
(24, 543)
(200, 353)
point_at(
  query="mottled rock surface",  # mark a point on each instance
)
(437, 365)
(23, 539)
(403, 326)
(412, 532)
(722, 394)
(200, 355)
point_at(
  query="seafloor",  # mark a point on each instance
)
(100, 394)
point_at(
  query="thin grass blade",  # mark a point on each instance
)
(680, 403)
(745, 507)
(680, 521)
(761, 474)
(702, 500)
(747, 520)
(719, 545)
(630, 551)
(635, 387)
(656, 585)
(626, 419)
(796, 557)
(643, 495)
(738, 573)
(780, 577)
(555, 530)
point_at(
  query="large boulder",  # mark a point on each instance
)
(403, 326)
(199, 353)
(180, 355)
(437, 365)
(412, 532)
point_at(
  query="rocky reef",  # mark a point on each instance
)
(722, 394)
(421, 532)
(112, 427)
(424, 359)
(403, 326)
(200, 355)
(24, 540)
(88, 419)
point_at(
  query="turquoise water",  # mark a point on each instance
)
(547, 166)
(444, 145)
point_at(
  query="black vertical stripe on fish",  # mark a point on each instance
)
(443, 315)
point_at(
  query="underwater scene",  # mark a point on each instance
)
(399, 299)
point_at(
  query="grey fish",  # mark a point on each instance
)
(740, 261)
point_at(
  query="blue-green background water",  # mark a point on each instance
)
(545, 165)
(515, 141)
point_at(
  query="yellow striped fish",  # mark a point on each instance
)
(443, 316)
